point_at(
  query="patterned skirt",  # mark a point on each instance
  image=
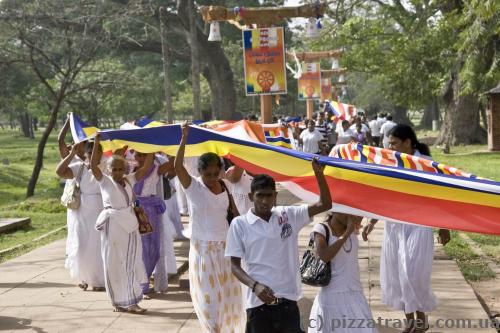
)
(215, 291)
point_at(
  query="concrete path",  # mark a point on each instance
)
(37, 295)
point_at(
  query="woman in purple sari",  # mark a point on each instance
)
(149, 195)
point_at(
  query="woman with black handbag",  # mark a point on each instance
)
(341, 305)
(215, 292)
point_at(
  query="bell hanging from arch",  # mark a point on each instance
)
(214, 35)
(335, 63)
(311, 28)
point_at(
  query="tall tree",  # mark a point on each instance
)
(49, 38)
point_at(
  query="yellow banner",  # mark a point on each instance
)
(264, 61)
(310, 81)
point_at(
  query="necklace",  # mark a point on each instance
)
(350, 247)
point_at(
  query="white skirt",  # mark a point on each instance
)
(215, 291)
(342, 312)
(84, 259)
(406, 267)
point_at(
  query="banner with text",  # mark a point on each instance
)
(264, 61)
(310, 81)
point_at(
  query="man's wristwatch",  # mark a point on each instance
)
(254, 285)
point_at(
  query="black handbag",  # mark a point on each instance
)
(314, 271)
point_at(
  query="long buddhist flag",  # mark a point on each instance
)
(378, 191)
(279, 135)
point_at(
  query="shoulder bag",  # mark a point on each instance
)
(313, 270)
(71, 197)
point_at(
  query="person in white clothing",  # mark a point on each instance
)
(311, 139)
(121, 246)
(241, 181)
(83, 255)
(266, 240)
(375, 125)
(71, 218)
(385, 130)
(335, 242)
(215, 292)
(345, 134)
(408, 251)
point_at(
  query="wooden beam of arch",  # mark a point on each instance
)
(328, 73)
(315, 56)
(263, 16)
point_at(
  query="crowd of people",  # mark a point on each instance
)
(321, 133)
(244, 254)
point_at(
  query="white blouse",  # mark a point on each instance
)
(208, 211)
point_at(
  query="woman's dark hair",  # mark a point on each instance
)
(260, 182)
(404, 132)
(89, 146)
(208, 159)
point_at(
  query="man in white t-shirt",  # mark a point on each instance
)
(266, 238)
(385, 130)
(311, 139)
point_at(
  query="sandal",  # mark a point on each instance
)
(136, 309)
(420, 330)
(98, 289)
(83, 286)
(409, 329)
(119, 309)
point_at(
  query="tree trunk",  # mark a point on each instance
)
(216, 69)
(43, 141)
(24, 119)
(169, 111)
(401, 115)
(461, 118)
(431, 112)
(35, 124)
(30, 127)
(195, 60)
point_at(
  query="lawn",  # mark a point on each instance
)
(44, 208)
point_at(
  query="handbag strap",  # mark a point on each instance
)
(232, 204)
(327, 230)
(80, 173)
(126, 194)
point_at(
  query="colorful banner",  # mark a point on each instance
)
(264, 61)
(279, 135)
(341, 111)
(326, 89)
(310, 81)
(400, 193)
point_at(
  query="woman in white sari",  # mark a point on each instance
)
(121, 246)
(83, 255)
(408, 251)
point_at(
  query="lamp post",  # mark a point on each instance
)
(262, 17)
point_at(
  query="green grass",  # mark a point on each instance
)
(44, 209)
(473, 159)
(472, 266)
(489, 244)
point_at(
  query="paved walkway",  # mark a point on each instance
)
(37, 295)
